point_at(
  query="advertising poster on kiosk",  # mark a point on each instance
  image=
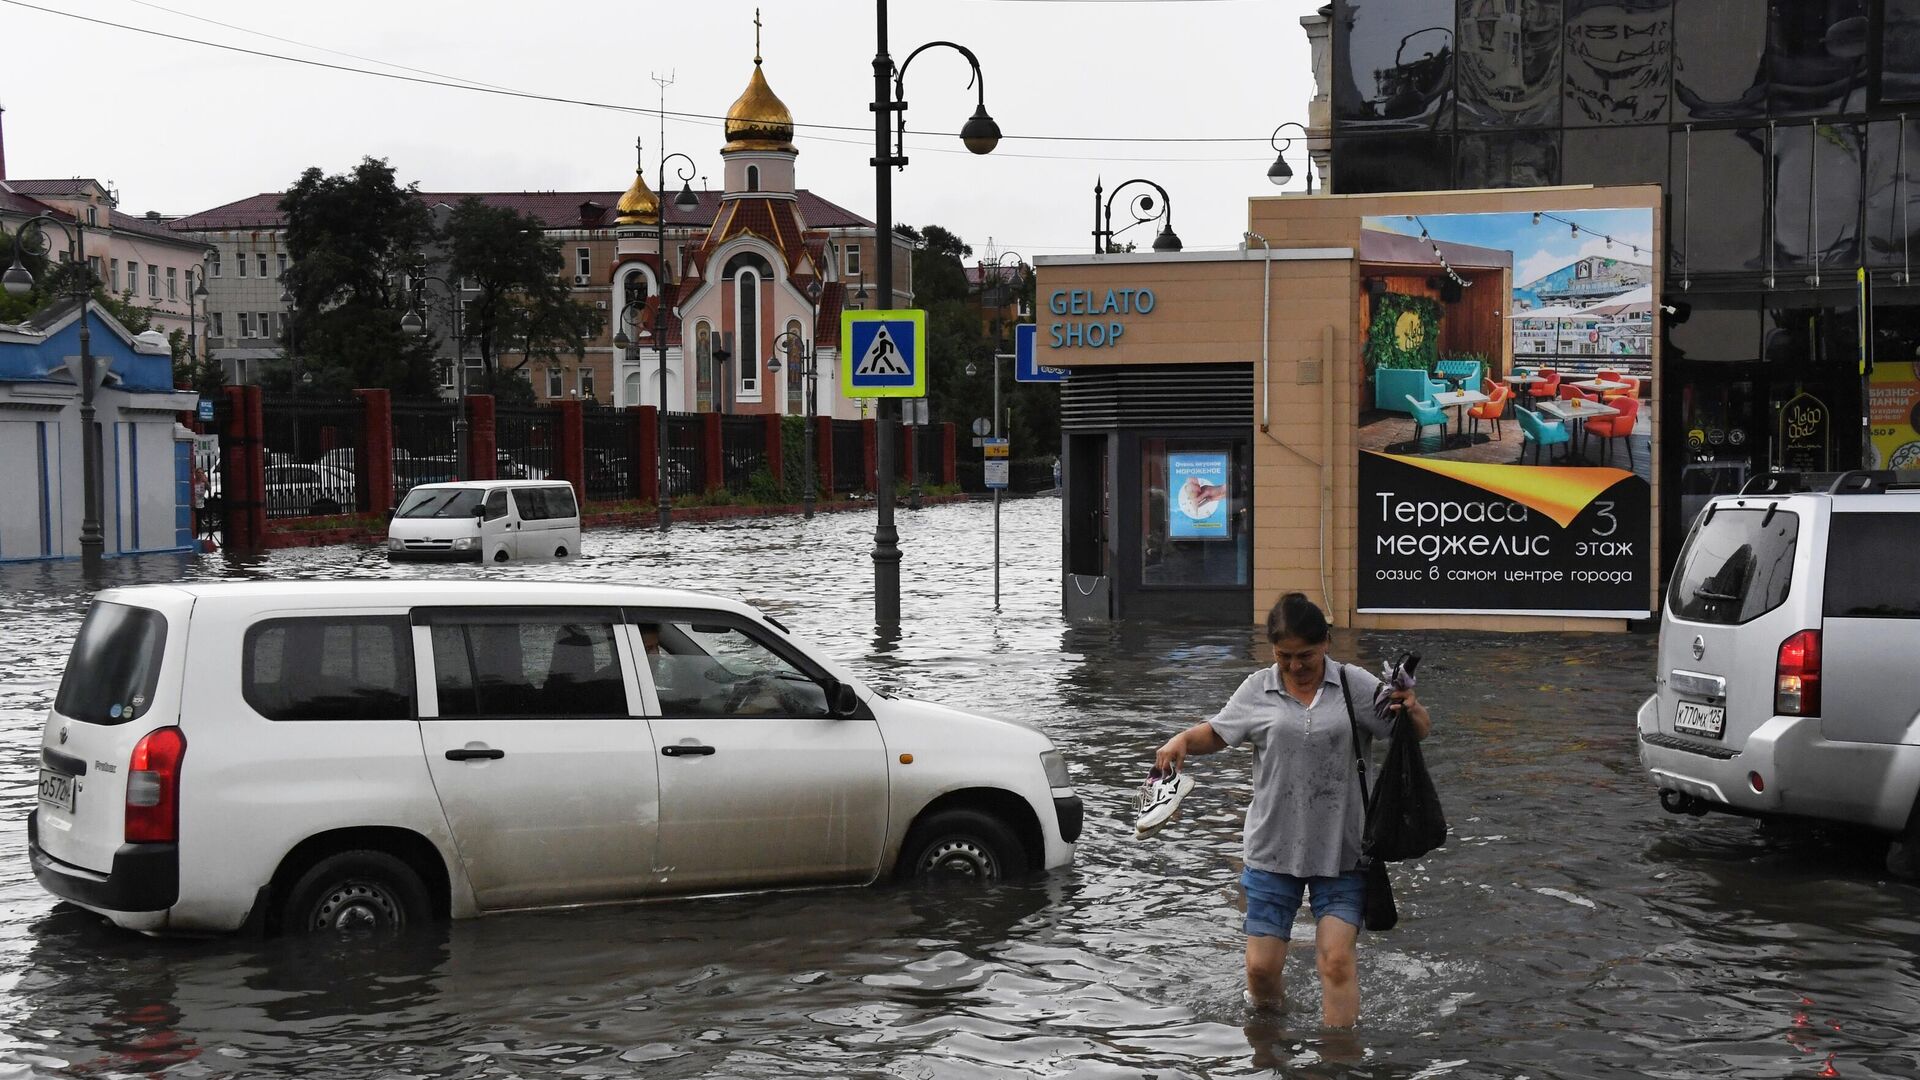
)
(1505, 423)
(1200, 483)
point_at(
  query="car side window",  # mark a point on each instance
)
(722, 670)
(532, 503)
(535, 667)
(329, 668)
(496, 504)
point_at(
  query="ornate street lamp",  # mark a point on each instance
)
(1280, 172)
(196, 294)
(981, 135)
(413, 323)
(18, 281)
(1143, 209)
(805, 366)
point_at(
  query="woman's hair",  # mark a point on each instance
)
(1295, 616)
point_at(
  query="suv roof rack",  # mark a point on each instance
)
(1849, 482)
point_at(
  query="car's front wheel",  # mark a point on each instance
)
(962, 846)
(356, 892)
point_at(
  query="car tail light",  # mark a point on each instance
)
(1796, 676)
(153, 787)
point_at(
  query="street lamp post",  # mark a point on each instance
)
(1143, 209)
(414, 323)
(630, 319)
(980, 135)
(1280, 172)
(805, 366)
(19, 282)
(686, 200)
(196, 292)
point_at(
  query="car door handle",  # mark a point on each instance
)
(471, 755)
(685, 750)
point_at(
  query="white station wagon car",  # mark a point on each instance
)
(301, 756)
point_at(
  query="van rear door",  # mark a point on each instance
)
(1870, 634)
(122, 682)
(1729, 607)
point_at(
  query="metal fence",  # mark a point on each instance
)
(849, 457)
(609, 453)
(931, 445)
(743, 450)
(524, 441)
(686, 460)
(423, 445)
(309, 444)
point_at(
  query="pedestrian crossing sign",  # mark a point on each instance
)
(883, 353)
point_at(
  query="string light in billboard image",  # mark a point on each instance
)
(1575, 229)
(1444, 264)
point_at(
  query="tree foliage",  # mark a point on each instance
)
(352, 237)
(522, 302)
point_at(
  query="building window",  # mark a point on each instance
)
(93, 268)
(263, 264)
(853, 260)
(93, 217)
(113, 271)
(153, 281)
(703, 367)
(280, 319)
(556, 383)
(246, 325)
(213, 263)
(746, 299)
(133, 275)
(283, 265)
(795, 349)
(753, 178)
(173, 283)
(219, 326)
(266, 324)
(240, 261)
(586, 383)
(583, 261)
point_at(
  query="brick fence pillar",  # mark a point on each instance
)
(570, 457)
(643, 431)
(483, 458)
(949, 466)
(823, 454)
(777, 451)
(242, 470)
(710, 447)
(870, 452)
(373, 453)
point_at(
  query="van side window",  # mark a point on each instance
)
(529, 667)
(560, 502)
(532, 503)
(717, 669)
(329, 668)
(496, 504)
(1869, 567)
(1736, 567)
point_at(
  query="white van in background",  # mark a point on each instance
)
(486, 520)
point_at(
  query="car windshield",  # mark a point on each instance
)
(441, 503)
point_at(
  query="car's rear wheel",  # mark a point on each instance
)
(500, 556)
(1903, 856)
(356, 892)
(962, 846)
(560, 553)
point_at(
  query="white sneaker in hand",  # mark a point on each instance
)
(1159, 801)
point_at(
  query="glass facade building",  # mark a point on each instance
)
(1786, 137)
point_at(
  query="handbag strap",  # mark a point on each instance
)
(1353, 726)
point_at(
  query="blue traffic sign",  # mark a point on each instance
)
(883, 353)
(1025, 367)
(205, 410)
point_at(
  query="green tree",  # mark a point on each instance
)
(522, 302)
(353, 236)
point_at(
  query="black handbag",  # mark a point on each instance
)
(1378, 910)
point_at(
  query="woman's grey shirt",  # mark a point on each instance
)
(1307, 814)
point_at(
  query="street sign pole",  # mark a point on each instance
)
(996, 491)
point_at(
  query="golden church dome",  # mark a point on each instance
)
(639, 206)
(759, 120)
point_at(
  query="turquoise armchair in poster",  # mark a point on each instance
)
(1393, 386)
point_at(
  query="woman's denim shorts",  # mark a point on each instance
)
(1274, 899)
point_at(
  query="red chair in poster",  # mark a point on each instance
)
(1610, 428)
(1491, 409)
(1546, 389)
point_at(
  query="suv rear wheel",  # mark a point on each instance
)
(962, 846)
(356, 891)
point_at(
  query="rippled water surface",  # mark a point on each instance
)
(1570, 928)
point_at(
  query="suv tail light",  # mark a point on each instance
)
(153, 787)
(1796, 676)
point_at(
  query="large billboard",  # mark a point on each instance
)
(1505, 436)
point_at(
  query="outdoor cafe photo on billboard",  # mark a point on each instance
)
(1505, 428)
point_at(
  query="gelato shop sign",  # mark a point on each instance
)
(1092, 318)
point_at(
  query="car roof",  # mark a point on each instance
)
(367, 592)
(488, 485)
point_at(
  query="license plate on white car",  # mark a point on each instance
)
(56, 790)
(1697, 719)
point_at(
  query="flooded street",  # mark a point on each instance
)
(1570, 928)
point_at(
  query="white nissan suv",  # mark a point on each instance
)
(300, 756)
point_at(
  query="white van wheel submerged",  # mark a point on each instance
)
(356, 892)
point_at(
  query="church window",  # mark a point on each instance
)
(753, 178)
(703, 359)
(746, 298)
(795, 349)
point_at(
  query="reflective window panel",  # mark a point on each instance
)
(1816, 197)
(1717, 328)
(1619, 62)
(1507, 69)
(1720, 56)
(1392, 163)
(1817, 57)
(1716, 201)
(1509, 159)
(1393, 64)
(1900, 50)
(1615, 155)
(1893, 193)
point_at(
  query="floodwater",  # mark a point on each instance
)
(1569, 929)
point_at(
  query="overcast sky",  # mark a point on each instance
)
(179, 127)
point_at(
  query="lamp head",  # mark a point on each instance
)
(621, 340)
(18, 281)
(971, 370)
(773, 365)
(814, 289)
(412, 323)
(200, 290)
(1167, 241)
(1279, 172)
(980, 133)
(686, 200)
